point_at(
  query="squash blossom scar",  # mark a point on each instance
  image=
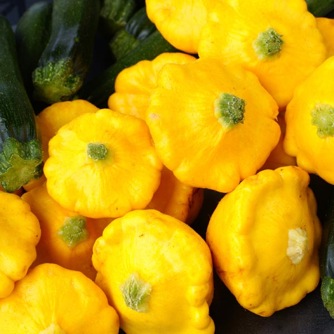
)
(322, 117)
(136, 293)
(97, 151)
(297, 245)
(268, 44)
(229, 110)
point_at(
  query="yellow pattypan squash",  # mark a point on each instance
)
(278, 40)
(265, 237)
(20, 233)
(310, 123)
(208, 127)
(326, 27)
(180, 22)
(157, 273)
(67, 238)
(278, 157)
(134, 84)
(102, 164)
(52, 299)
(176, 198)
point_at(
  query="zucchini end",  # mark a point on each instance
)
(20, 163)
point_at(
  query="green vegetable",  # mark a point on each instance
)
(32, 34)
(320, 7)
(98, 90)
(136, 29)
(66, 59)
(327, 258)
(20, 148)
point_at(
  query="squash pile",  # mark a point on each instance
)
(103, 240)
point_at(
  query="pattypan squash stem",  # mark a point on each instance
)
(230, 110)
(97, 151)
(297, 245)
(73, 231)
(136, 293)
(268, 44)
(323, 118)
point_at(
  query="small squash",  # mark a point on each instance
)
(265, 238)
(134, 84)
(67, 237)
(310, 123)
(278, 40)
(102, 164)
(180, 22)
(52, 299)
(157, 273)
(208, 127)
(20, 233)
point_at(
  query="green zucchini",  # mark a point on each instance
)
(98, 90)
(114, 14)
(136, 29)
(320, 8)
(32, 34)
(327, 258)
(66, 59)
(20, 147)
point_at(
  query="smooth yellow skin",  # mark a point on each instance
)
(249, 234)
(326, 28)
(189, 137)
(233, 26)
(20, 233)
(51, 248)
(52, 299)
(125, 180)
(180, 22)
(171, 258)
(313, 153)
(134, 84)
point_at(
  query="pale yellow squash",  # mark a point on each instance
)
(265, 238)
(157, 273)
(54, 300)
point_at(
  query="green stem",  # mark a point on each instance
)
(97, 151)
(323, 118)
(268, 44)
(73, 231)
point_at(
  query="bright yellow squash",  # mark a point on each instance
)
(54, 300)
(310, 123)
(326, 27)
(208, 127)
(180, 22)
(134, 84)
(278, 40)
(157, 273)
(67, 238)
(102, 164)
(265, 237)
(20, 233)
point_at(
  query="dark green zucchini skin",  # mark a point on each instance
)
(327, 257)
(98, 90)
(66, 59)
(20, 148)
(320, 8)
(32, 34)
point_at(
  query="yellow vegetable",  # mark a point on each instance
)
(20, 233)
(52, 299)
(309, 123)
(265, 237)
(180, 22)
(278, 40)
(134, 84)
(157, 273)
(326, 27)
(102, 164)
(208, 127)
(67, 237)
